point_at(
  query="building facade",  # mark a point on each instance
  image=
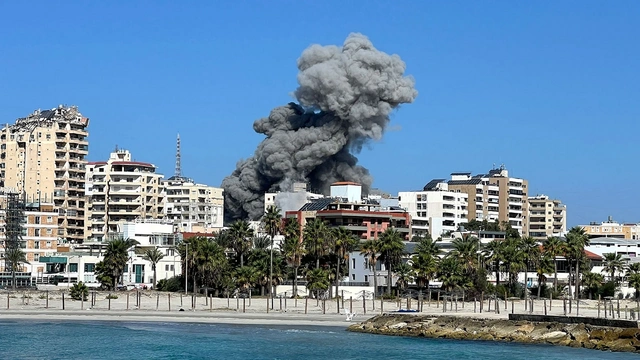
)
(612, 229)
(494, 196)
(121, 190)
(193, 207)
(547, 217)
(435, 211)
(42, 157)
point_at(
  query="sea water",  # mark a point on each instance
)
(153, 340)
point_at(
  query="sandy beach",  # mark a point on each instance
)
(165, 307)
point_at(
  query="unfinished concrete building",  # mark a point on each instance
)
(42, 157)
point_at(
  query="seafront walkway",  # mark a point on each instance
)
(134, 303)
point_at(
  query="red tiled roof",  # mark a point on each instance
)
(189, 235)
(97, 163)
(592, 256)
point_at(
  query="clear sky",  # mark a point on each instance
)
(550, 89)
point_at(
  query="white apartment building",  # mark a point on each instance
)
(435, 210)
(193, 207)
(290, 200)
(121, 190)
(547, 217)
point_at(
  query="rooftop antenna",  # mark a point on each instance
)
(178, 170)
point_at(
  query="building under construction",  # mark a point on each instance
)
(42, 157)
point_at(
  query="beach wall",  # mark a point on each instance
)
(355, 292)
(608, 338)
(575, 320)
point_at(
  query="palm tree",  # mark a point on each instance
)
(153, 256)
(246, 276)
(391, 248)
(15, 257)
(425, 268)
(317, 280)
(115, 259)
(514, 260)
(634, 282)
(544, 265)
(450, 272)
(241, 233)
(405, 275)
(343, 243)
(466, 250)
(577, 239)
(554, 247)
(293, 249)
(427, 245)
(530, 250)
(592, 281)
(315, 238)
(370, 250)
(613, 263)
(633, 269)
(494, 254)
(272, 221)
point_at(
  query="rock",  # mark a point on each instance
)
(526, 328)
(554, 336)
(399, 325)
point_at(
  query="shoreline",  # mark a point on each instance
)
(274, 319)
(577, 334)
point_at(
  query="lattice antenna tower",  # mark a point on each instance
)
(178, 173)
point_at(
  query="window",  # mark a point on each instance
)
(166, 267)
(36, 257)
(353, 263)
(48, 136)
(73, 267)
(48, 244)
(49, 231)
(49, 219)
(89, 267)
(353, 277)
(36, 232)
(366, 278)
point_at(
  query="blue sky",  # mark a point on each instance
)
(550, 89)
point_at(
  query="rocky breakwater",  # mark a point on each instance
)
(459, 328)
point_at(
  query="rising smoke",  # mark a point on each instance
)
(345, 98)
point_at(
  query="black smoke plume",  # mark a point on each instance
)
(345, 96)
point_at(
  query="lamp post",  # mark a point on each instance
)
(186, 268)
(271, 272)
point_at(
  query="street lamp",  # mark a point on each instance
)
(186, 268)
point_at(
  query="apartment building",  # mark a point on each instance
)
(547, 217)
(494, 196)
(613, 229)
(363, 219)
(121, 190)
(39, 238)
(193, 207)
(435, 210)
(43, 156)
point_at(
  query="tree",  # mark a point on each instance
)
(241, 233)
(153, 256)
(425, 263)
(514, 260)
(494, 255)
(405, 275)
(634, 282)
(15, 257)
(544, 265)
(79, 291)
(315, 237)
(613, 263)
(391, 248)
(592, 282)
(450, 272)
(370, 250)
(554, 247)
(115, 259)
(633, 269)
(343, 243)
(466, 251)
(272, 221)
(317, 280)
(530, 251)
(246, 276)
(577, 239)
(293, 249)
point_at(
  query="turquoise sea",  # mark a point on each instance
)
(140, 340)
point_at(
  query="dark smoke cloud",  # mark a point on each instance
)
(345, 98)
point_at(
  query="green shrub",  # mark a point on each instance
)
(607, 289)
(112, 296)
(79, 291)
(173, 284)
